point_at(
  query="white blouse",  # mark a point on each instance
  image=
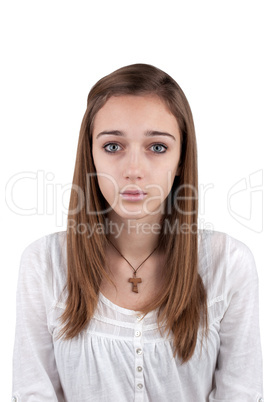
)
(120, 356)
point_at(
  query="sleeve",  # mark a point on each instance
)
(238, 374)
(35, 376)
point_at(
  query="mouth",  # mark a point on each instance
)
(133, 195)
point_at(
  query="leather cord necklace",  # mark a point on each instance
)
(134, 280)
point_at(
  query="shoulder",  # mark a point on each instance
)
(224, 262)
(218, 246)
(51, 239)
(50, 246)
(45, 258)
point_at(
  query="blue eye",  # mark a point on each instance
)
(112, 147)
(159, 148)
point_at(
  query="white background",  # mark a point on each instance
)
(53, 52)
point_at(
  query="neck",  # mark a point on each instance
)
(134, 237)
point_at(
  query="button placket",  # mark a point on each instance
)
(138, 347)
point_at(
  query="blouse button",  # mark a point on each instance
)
(260, 400)
(138, 351)
(140, 386)
(138, 333)
(14, 399)
(139, 368)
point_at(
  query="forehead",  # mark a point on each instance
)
(135, 110)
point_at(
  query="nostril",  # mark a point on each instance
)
(133, 173)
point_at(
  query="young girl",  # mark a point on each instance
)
(132, 302)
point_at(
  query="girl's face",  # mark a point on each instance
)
(136, 151)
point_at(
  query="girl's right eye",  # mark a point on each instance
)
(112, 147)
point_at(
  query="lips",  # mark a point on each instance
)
(133, 195)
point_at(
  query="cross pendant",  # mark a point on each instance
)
(135, 282)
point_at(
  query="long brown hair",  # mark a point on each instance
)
(181, 303)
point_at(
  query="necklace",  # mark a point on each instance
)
(134, 280)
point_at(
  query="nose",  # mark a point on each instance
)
(133, 169)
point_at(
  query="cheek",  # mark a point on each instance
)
(108, 186)
(165, 176)
(102, 163)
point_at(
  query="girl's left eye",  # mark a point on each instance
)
(158, 148)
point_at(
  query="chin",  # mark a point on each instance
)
(138, 214)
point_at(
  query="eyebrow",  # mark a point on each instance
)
(148, 133)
